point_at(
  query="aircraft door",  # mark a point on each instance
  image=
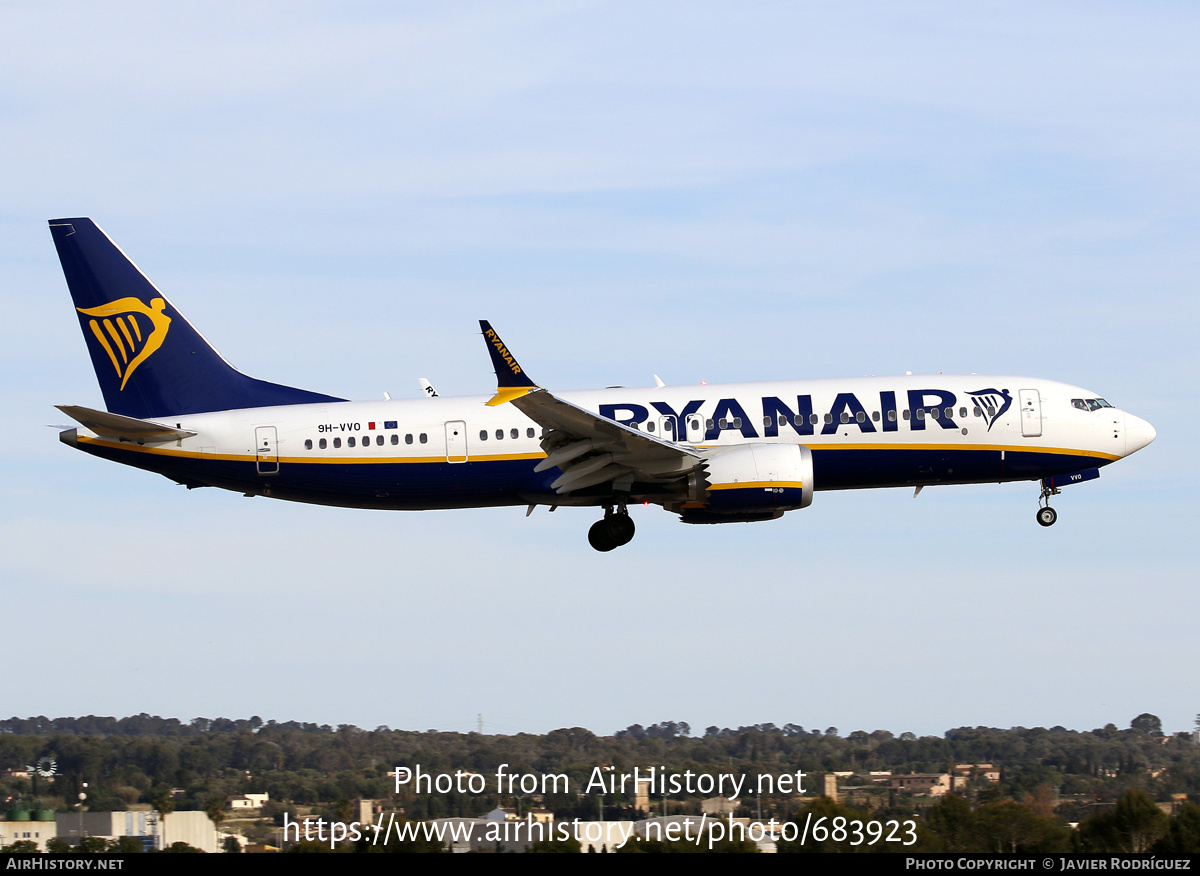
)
(456, 441)
(666, 429)
(266, 450)
(1031, 413)
(694, 428)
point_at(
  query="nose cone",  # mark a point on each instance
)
(1138, 433)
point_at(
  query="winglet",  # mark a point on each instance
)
(511, 380)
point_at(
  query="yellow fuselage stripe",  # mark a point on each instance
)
(477, 457)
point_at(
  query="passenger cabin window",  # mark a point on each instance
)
(875, 416)
(708, 424)
(308, 444)
(962, 413)
(483, 434)
(395, 438)
(408, 438)
(861, 416)
(514, 433)
(529, 432)
(978, 411)
(737, 422)
(379, 440)
(906, 413)
(828, 418)
(350, 441)
(813, 419)
(321, 444)
(499, 434)
(649, 425)
(920, 413)
(891, 416)
(337, 442)
(845, 418)
(723, 423)
(424, 439)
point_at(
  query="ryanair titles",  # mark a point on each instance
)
(940, 407)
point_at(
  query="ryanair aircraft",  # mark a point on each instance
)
(711, 454)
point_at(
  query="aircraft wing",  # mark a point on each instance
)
(589, 449)
(123, 428)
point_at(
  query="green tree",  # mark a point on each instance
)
(824, 808)
(93, 845)
(215, 810)
(950, 826)
(164, 804)
(1147, 723)
(1134, 825)
(1008, 826)
(1183, 833)
(181, 849)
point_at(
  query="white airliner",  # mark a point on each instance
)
(709, 453)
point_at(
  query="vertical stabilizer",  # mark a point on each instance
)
(149, 360)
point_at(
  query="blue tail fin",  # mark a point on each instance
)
(149, 360)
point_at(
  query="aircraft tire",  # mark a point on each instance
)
(1046, 516)
(620, 529)
(600, 538)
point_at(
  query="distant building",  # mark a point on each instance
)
(718, 806)
(154, 831)
(35, 826)
(246, 801)
(923, 784)
(985, 771)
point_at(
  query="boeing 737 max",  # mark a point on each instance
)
(710, 453)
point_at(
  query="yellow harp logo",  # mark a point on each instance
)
(129, 331)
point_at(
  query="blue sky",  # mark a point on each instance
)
(334, 194)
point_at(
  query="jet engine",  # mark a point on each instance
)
(750, 482)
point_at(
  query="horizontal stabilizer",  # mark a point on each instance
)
(108, 425)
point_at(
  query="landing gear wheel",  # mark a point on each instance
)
(1046, 516)
(599, 537)
(620, 528)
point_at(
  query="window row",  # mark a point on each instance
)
(512, 433)
(366, 441)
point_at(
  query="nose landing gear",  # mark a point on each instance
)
(1046, 515)
(613, 531)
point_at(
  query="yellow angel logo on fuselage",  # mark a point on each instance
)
(122, 331)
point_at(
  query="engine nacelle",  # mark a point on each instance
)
(752, 482)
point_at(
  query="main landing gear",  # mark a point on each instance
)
(614, 530)
(1047, 515)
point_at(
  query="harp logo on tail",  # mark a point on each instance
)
(993, 403)
(129, 331)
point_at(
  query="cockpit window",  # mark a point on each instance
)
(1089, 404)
